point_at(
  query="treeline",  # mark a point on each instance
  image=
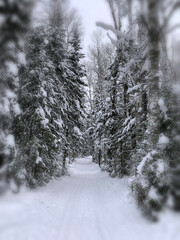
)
(134, 111)
(42, 93)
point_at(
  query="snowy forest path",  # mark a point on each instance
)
(86, 205)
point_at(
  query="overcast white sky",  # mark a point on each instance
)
(91, 11)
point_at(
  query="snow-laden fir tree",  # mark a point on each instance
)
(76, 95)
(100, 57)
(38, 127)
(15, 16)
(139, 116)
(48, 130)
(66, 58)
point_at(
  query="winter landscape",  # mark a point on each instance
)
(89, 119)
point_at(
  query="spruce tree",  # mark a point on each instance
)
(76, 94)
(37, 127)
(15, 16)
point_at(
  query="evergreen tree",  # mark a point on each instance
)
(48, 130)
(137, 118)
(38, 127)
(76, 94)
(15, 16)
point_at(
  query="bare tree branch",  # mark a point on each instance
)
(111, 5)
(168, 17)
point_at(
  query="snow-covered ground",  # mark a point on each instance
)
(87, 205)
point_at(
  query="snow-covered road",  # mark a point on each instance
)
(87, 205)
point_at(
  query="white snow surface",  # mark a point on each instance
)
(10, 140)
(163, 107)
(22, 58)
(163, 140)
(86, 205)
(135, 88)
(142, 163)
(176, 89)
(12, 67)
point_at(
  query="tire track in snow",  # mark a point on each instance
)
(65, 226)
(82, 204)
(102, 188)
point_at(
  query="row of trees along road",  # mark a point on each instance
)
(46, 93)
(133, 110)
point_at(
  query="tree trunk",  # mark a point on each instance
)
(130, 12)
(65, 153)
(126, 100)
(99, 157)
(64, 160)
(153, 106)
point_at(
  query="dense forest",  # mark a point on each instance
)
(120, 103)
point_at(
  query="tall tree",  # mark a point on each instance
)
(15, 16)
(76, 95)
(153, 88)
